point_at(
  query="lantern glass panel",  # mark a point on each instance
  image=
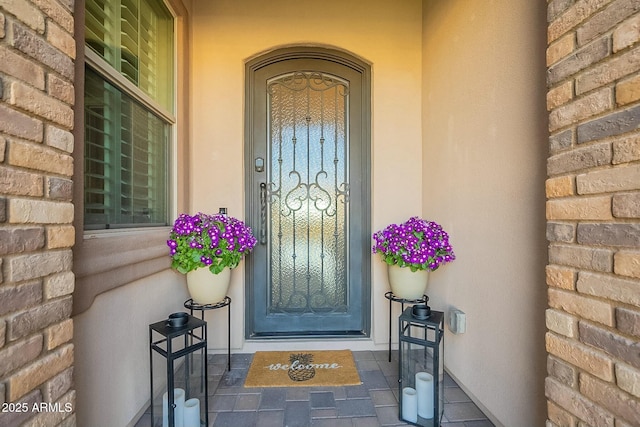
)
(421, 369)
(179, 363)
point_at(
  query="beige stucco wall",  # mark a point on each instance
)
(112, 370)
(484, 133)
(384, 33)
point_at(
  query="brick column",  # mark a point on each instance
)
(593, 213)
(37, 51)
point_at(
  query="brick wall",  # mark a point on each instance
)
(593, 213)
(37, 53)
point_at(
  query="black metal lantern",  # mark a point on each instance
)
(421, 373)
(184, 401)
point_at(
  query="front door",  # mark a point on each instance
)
(307, 195)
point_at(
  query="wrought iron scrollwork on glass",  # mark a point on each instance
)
(307, 193)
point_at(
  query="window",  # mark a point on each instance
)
(128, 109)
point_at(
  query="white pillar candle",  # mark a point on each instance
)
(409, 405)
(192, 413)
(178, 411)
(424, 387)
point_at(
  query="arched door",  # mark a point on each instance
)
(307, 194)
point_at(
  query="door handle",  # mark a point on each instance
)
(263, 213)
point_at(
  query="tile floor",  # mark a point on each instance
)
(374, 403)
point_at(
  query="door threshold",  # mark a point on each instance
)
(351, 343)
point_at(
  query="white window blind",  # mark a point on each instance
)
(126, 160)
(126, 143)
(135, 37)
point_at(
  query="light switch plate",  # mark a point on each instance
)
(457, 321)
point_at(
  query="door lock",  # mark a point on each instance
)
(259, 165)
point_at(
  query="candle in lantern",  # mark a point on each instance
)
(178, 411)
(424, 388)
(192, 413)
(409, 404)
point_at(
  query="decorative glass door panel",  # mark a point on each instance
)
(307, 193)
(307, 198)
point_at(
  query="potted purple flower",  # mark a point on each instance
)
(411, 250)
(206, 248)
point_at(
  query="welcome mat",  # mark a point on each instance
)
(302, 369)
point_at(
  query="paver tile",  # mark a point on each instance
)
(324, 413)
(222, 403)
(270, 419)
(355, 408)
(374, 403)
(273, 398)
(383, 398)
(235, 419)
(247, 402)
(463, 411)
(323, 399)
(336, 422)
(481, 423)
(455, 394)
(297, 414)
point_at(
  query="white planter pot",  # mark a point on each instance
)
(407, 284)
(206, 287)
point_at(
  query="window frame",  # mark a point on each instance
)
(107, 259)
(113, 129)
(103, 68)
(122, 84)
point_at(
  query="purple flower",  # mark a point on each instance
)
(202, 240)
(416, 243)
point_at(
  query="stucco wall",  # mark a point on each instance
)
(484, 133)
(226, 33)
(112, 370)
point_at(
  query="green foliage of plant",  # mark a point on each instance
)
(213, 241)
(416, 243)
